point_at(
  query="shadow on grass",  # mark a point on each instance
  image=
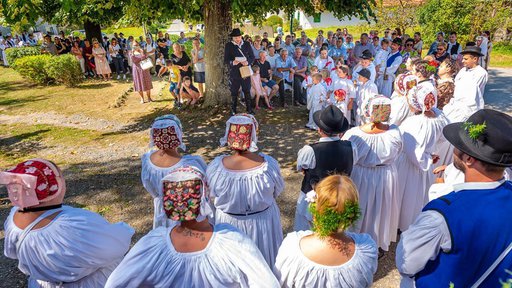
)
(94, 85)
(15, 102)
(15, 86)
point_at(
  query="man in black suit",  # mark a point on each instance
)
(237, 54)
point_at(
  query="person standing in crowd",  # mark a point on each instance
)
(330, 155)
(386, 76)
(150, 52)
(271, 57)
(378, 145)
(298, 76)
(285, 70)
(330, 256)
(256, 47)
(288, 45)
(181, 60)
(182, 39)
(192, 250)
(257, 89)
(199, 65)
(56, 243)
(304, 45)
(469, 87)
(166, 135)
(317, 98)
(481, 42)
(366, 89)
(266, 73)
(382, 55)
(338, 52)
(245, 186)
(237, 54)
(31, 41)
(421, 133)
(454, 47)
(376, 44)
(79, 55)
(163, 44)
(445, 84)
(418, 43)
(441, 52)
(365, 62)
(362, 46)
(344, 92)
(433, 47)
(407, 53)
(89, 60)
(487, 35)
(323, 61)
(447, 237)
(117, 57)
(141, 78)
(48, 46)
(101, 61)
(400, 109)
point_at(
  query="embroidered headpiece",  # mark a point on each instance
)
(166, 133)
(405, 82)
(185, 195)
(33, 182)
(378, 109)
(422, 98)
(340, 95)
(241, 133)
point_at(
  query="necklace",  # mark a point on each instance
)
(37, 209)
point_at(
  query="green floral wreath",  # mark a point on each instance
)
(330, 221)
(474, 130)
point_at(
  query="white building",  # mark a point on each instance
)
(324, 19)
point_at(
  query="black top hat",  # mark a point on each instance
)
(365, 73)
(475, 50)
(235, 32)
(331, 120)
(367, 54)
(485, 136)
(397, 41)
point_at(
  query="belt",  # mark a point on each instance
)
(247, 214)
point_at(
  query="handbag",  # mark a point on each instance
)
(245, 71)
(146, 64)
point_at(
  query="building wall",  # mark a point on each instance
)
(326, 20)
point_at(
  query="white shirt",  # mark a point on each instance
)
(359, 67)
(426, 237)
(391, 70)
(380, 58)
(324, 63)
(468, 96)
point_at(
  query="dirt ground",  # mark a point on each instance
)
(100, 149)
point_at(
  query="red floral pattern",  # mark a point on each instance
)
(166, 138)
(340, 95)
(47, 184)
(182, 199)
(239, 136)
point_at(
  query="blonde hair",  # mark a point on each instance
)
(334, 192)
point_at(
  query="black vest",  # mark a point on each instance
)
(454, 49)
(333, 157)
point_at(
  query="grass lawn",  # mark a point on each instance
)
(501, 56)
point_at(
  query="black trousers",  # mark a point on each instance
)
(281, 91)
(234, 85)
(298, 92)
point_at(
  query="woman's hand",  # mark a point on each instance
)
(439, 169)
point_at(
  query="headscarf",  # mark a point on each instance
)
(185, 195)
(33, 182)
(241, 133)
(404, 83)
(377, 109)
(422, 98)
(166, 133)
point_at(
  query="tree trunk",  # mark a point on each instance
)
(218, 24)
(92, 30)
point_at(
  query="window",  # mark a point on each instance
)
(316, 17)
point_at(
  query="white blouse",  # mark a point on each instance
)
(77, 246)
(293, 269)
(244, 191)
(230, 259)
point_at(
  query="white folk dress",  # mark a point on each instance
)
(348, 86)
(250, 191)
(421, 136)
(386, 86)
(78, 248)
(359, 67)
(318, 95)
(399, 110)
(152, 176)
(364, 93)
(294, 269)
(376, 179)
(230, 259)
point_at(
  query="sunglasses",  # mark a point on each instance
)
(440, 49)
(410, 45)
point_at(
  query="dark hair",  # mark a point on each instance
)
(470, 43)
(421, 67)
(398, 31)
(452, 65)
(345, 69)
(453, 33)
(487, 32)
(114, 39)
(364, 34)
(491, 168)
(186, 78)
(384, 41)
(376, 38)
(409, 40)
(168, 62)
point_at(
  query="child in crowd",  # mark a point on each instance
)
(189, 91)
(257, 89)
(366, 89)
(319, 97)
(161, 66)
(174, 82)
(382, 55)
(344, 91)
(327, 81)
(307, 83)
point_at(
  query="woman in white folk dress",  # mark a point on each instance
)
(192, 252)
(421, 133)
(378, 146)
(328, 256)
(245, 186)
(167, 137)
(403, 83)
(56, 245)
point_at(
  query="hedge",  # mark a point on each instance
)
(47, 69)
(13, 54)
(34, 68)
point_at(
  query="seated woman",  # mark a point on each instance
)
(166, 135)
(329, 256)
(192, 253)
(245, 186)
(56, 245)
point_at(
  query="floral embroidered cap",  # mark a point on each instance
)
(378, 109)
(404, 83)
(33, 182)
(185, 195)
(241, 133)
(166, 133)
(422, 98)
(340, 95)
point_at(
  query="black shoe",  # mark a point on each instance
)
(251, 112)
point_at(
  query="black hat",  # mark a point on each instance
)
(485, 136)
(397, 41)
(365, 73)
(235, 32)
(367, 54)
(475, 50)
(331, 120)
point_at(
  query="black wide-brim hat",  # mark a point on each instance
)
(236, 32)
(331, 120)
(492, 144)
(475, 50)
(366, 54)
